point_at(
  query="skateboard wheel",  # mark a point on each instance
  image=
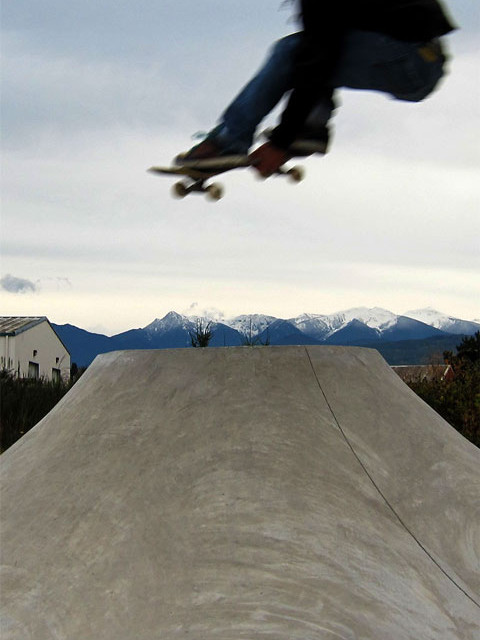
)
(296, 174)
(214, 192)
(179, 190)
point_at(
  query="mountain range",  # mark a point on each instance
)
(424, 331)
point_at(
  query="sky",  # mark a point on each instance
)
(94, 92)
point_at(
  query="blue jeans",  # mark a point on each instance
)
(370, 61)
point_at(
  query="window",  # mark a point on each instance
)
(56, 376)
(33, 370)
(35, 352)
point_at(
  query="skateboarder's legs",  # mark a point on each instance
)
(370, 61)
(259, 96)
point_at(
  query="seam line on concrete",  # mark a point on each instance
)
(377, 488)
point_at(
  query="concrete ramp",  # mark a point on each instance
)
(282, 493)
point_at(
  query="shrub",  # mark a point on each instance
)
(458, 400)
(23, 403)
(201, 335)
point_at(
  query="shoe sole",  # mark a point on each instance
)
(302, 147)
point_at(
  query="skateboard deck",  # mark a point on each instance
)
(198, 173)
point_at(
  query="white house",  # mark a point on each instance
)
(30, 348)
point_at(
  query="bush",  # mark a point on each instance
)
(23, 403)
(201, 335)
(458, 400)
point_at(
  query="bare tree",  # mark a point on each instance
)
(201, 334)
(249, 340)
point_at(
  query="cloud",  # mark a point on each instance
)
(91, 69)
(55, 284)
(210, 313)
(13, 284)
(191, 309)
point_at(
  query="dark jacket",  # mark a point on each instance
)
(410, 20)
(325, 23)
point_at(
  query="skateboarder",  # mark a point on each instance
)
(392, 46)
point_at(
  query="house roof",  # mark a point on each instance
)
(417, 373)
(13, 325)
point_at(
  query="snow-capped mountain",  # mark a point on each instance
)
(253, 324)
(171, 321)
(358, 324)
(313, 324)
(376, 318)
(354, 327)
(445, 323)
(322, 327)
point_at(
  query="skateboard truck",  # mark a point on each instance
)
(215, 191)
(196, 175)
(212, 191)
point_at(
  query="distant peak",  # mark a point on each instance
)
(171, 319)
(427, 313)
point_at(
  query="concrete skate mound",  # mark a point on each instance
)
(288, 493)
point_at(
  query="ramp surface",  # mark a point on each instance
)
(288, 493)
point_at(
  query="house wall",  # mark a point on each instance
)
(36, 351)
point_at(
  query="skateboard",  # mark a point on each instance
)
(197, 175)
